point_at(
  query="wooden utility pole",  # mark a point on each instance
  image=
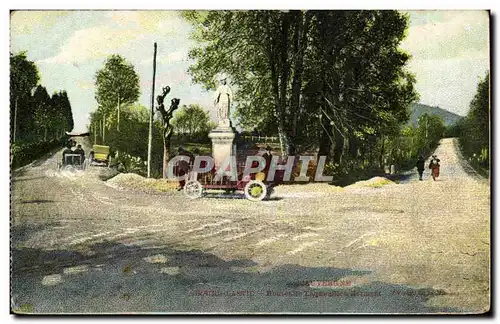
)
(151, 115)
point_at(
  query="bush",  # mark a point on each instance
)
(127, 163)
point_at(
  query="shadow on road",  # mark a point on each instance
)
(401, 178)
(113, 277)
(19, 178)
(234, 196)
(37, 201)
(20, 233)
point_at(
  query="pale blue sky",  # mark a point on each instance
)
(450, 53)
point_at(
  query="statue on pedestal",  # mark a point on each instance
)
(222, 101)
(223, 135)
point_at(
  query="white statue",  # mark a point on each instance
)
(222, 101)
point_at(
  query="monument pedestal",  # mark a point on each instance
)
(222, 144)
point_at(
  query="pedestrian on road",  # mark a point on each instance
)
(434, 166)
(79, 150)
(420, 167)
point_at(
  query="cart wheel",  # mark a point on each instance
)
(255, 190)
(193, 189)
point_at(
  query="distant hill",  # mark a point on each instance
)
(418, 110)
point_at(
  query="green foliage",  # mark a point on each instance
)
(430, 129)
(23, 153)
(454, 130)
(192, 121)
(413, 141)
(117, 84)
(35, 115)
(24, 76)
(138, 112)
(132, 139)
(314, 78)
(44, 113)
(131, 164)
(119, 121)
(475, 128)
(401, 149)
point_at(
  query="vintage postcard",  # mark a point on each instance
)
(250, 162)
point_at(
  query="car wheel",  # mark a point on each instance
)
(255, 190)
(193, 189)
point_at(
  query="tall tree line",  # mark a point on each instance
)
(333, 81)
(475, 127)
(35, 115)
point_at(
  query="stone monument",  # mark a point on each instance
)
(223, 135)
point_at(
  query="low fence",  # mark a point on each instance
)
(264, 139)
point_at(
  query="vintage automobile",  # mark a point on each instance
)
(99, 155)
(73, 160)
(255, 187)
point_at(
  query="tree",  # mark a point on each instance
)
(479, 114)
(363, 87)
(239, 44)
(168, 128)
(130, 140)
(66, 110)
(59, 121)
(24, 77)
(116, 84)
(430, 129)
(475, 128)
(62, 114)
(191, 120)
(138, 112)
(332, 77)
(43, 111)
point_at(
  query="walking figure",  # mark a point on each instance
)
(434, 166)
(420, 167)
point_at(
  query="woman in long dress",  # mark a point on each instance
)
(223, 98)
(434, 166)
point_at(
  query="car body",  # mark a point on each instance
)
(72, 161)
(99, 154)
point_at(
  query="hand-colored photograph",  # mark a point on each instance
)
(250, 162)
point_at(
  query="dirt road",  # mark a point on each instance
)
(79, 245)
